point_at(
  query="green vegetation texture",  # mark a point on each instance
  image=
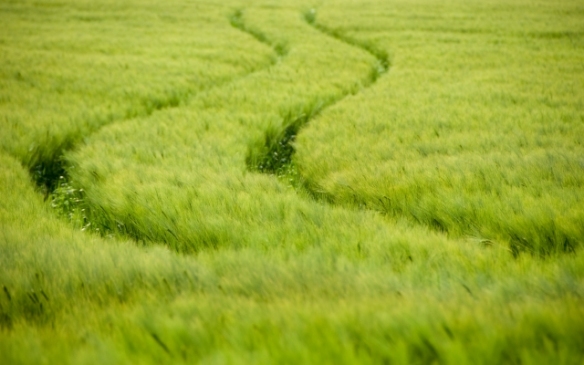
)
(343, 181)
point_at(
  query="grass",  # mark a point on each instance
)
(258, 186)
(122, 63)
(481, 135)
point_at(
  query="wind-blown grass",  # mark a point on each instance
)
(418, 297)
(475, 131)
(68, 69)
(175, 248)
(188, 179)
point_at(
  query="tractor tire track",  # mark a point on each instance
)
(206, 212)
(278, 154)
(49, 172)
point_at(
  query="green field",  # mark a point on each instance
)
(301, 182)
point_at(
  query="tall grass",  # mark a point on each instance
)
(475, 131)
(167, 242)
(415, 296)
(184, 180)
(71, 68)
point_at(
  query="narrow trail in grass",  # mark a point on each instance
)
(236, 21)
(381, 55)
(263, 272)
(276, 156)
(50, 173)
(50, 170)
(182, 177)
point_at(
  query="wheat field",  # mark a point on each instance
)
(256, 181)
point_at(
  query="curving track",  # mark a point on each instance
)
(179, 178)
(277, 276)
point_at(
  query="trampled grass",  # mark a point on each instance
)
(256, 187)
